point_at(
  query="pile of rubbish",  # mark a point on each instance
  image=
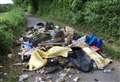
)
(47, 44)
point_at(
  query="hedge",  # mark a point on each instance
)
(12, 25)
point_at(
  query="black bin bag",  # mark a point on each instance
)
(80, 60)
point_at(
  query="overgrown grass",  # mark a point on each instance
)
(13, 21)
(112, 50)
(5, 7)
(12, 25)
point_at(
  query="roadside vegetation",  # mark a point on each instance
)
(12, 25)
(101, 17)
(5, 7)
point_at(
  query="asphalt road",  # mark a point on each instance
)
(31, 21)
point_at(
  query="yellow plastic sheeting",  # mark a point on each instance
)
(37, 61)
(39, 58)
(58, 51)
(100, 61)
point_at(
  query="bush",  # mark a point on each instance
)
(12, 25)
(14, 22)
(5, 7)
(103, 16)
(6, 40)
(112, 50)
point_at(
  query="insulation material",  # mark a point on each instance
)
(100, 61)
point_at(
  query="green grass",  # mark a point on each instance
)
(12, 26)
(112, 50)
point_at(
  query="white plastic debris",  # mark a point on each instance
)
(5, 74)
(1, 66)
(39, 79)
(10, 55)
(107, 70)
(23, 77)
(76, 79)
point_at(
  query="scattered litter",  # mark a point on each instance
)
(5, 74)
(39, 58)
(1, 66)
(76, 79)
(70, 76)
(1, 80)
(108, 70)
(49, 45)
(10, 56)
(63, 75)
(49, 81)
(19, 64)
(91, 40)
(39, 79)
(23, 77)
(96, 80)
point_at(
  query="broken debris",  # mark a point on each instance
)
(23, 77)
(48, 41)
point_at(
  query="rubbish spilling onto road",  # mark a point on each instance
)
(23, 77)
(47, 44)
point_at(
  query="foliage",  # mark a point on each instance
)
(6, 39)
(5, 7)
(113, 51)
(11, 27)
(13, 21)
(103, 17)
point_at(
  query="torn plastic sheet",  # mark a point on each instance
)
(100, 61)
(39, 58)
